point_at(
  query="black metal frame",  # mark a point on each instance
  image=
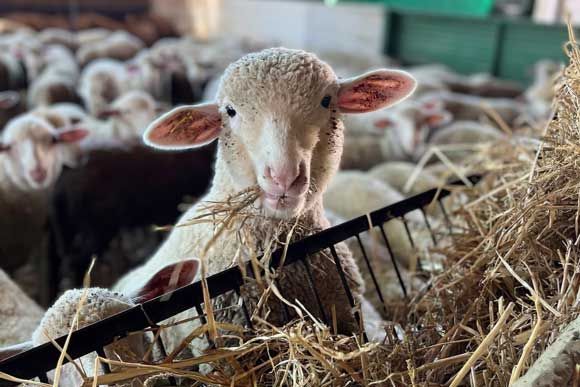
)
(37, 361)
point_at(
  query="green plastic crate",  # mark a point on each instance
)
(479, 8)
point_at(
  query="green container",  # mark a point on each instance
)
(478, 8)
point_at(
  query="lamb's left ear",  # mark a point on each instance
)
(374, 90)
(185, 127)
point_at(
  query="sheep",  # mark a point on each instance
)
(32, 154)
(354, 193)
(458, 139)
(289, 145)
(472, 108)
(92, 35)
(381, 266)
(87, 306)
(19, 315)
(100, 83)
(58, 36)
(126, 119)
(540, 94)
(384, 136)
(59, 59)
(397, 174)
(50, 88)
(119, 45)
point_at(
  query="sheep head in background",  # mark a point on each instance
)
(32, 152)
(277, 116)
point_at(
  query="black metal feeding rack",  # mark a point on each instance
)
(38, 361)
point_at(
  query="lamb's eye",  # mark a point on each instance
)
(230, 110)
(326, 101)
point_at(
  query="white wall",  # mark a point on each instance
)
(306, 25)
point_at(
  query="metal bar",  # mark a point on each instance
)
(412, 242)
(445, 216)
(347, 290)
(374, 278)
(244, 309)
(104, 366)
(306, 265)
(395, 264)
(429, 227)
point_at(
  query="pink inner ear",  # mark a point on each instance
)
(186, 127)
(72, 135)
(169, 278)
(374, 91)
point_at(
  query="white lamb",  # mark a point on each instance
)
(354, 193)
(460, 138)
(277, 117)
(124, 121)
(32, 154)
(119, 45)
(390, 135)
(90, 305)
(397, 174)
(100, 83)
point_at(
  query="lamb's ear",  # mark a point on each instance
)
(71, 135)
(185, 127)
(437, 119)
(14, 350)
(374, 90)
(171, 277)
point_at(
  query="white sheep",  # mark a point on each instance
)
(58, 36)
(32, 154)
(473, 108)
(390, 135)
(51, 87)
(397, 174)
(19, 315)
(119, 45)
(459, 139)
(81, 307)
(354, 193)
(123, 121)
(100, 83)
(92, 35)
(287, 143)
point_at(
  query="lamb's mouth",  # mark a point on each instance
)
(281, 202)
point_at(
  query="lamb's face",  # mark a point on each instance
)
(32, 152)
(280, 128)
(277, 117)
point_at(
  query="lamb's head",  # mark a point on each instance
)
(32, 151)
(134, 110)
(277, 115)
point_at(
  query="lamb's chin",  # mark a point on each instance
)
(282, 210)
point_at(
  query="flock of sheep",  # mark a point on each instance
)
(99, 90)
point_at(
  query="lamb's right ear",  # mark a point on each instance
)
(14, 350)
(171, 277)
(185, 127)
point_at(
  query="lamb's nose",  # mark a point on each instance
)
(283, 177)
(38, 174)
